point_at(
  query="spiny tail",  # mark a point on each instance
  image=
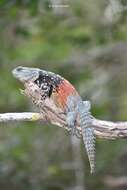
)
(88, 134)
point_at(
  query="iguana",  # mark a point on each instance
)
(64, 96)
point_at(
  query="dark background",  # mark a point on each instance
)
(86, 42)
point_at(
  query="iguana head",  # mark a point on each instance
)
(26, 74)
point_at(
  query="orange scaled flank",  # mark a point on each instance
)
(62, 92)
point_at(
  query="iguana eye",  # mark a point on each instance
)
(19, 68)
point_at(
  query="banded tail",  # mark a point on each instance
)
(88, 133)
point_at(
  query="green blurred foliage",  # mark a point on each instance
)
(86, 43)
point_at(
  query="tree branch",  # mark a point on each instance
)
(115, 182)
(103, 129)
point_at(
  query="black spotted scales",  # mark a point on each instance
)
(48, 83)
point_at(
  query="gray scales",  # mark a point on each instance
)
(75, 107)
(82, 108)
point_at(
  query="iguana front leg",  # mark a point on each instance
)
(72, 116)
(71, 121)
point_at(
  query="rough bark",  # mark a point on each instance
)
(103, 129)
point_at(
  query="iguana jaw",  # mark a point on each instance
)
(25, 74)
